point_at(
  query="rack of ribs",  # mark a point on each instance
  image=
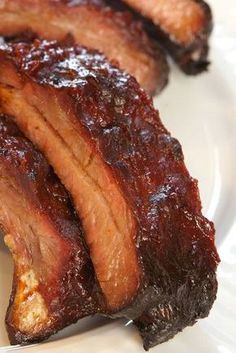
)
(54, 283)
(152, 250)
(182, 26)
(92, 24)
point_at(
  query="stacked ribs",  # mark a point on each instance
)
(129, 32)
(181, 26)
(54, 280)
(97, 207)
(93, 24)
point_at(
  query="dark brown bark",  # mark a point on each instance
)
(152, 250)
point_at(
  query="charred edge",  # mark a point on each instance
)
(183, 55)
(130, 28)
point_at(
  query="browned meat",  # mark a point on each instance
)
(92, 24)
(152, 250)
(54, 283)
(182, 26)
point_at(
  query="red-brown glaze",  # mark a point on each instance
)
(95, 25)
(182, 27)
(66, 277)
(174, 242)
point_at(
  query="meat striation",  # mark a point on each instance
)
(152, 250)
(91, 23)
(54, 283)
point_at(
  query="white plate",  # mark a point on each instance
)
(201, 113)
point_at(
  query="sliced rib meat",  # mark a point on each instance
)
(54, 283)
(92, 24)
(182, 26)
(152, 250)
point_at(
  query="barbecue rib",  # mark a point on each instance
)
(53, 280)
(153, 252)
(182, 26)
(92, 24)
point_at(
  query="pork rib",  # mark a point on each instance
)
(182, 26)
(153, 252)
(92, 24)
(54, 283)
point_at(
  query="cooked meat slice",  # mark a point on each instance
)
(92, 24)
(152, 250)
(54, 283)
(182, 26)
(106, 216)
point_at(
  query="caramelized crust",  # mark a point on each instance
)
(182, 26)
(123, 170)
(107, 218)
(54, 283)
(92, 24)
(183, 19)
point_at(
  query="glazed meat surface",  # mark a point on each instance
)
(92, 24)
(153, 252)
(182, 26)
(54, 281)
